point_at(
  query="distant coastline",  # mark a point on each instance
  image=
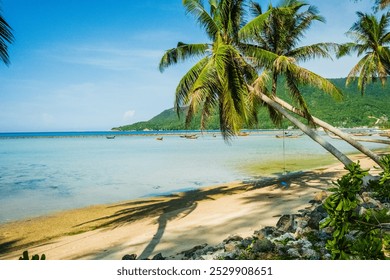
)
(146, 132)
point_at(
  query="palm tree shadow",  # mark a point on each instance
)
(8, 246)
(166, 208)
(180, 205)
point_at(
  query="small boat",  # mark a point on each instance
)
(192, 136)
(110, 137)
(159, 138)
(287, 135)
(243, 133)
(362, 134)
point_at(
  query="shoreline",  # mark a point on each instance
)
(167, 224)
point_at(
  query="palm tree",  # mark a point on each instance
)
(222, 78)
(6, 37)
(280, 34)
(283, 28)
(219, 79)
(372, 40)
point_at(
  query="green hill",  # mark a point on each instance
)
(354, 111)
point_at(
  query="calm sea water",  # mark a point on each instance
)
(41, 173)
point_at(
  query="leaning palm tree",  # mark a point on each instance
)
(6, 38)
(280, 34)
(222, 78)
(372, 40)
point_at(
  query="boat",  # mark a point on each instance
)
(362, 134)
(288, 135)
(243, 133)
(110, 137)
(159, 138)
(191, 136)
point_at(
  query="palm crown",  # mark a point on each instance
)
(280, 31)
(220, 78)
(371, 39)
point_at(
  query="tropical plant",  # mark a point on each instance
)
(356, 234)
(282, 30)
(280, 33)
(223, 78)
(219, 79)
(371, 39)
(6, 38)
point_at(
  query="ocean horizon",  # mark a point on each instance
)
(45, 172)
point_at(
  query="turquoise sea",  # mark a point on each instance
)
(41, 173)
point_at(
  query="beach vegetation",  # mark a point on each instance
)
(358, 232)
(381, 187)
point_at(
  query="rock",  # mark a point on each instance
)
(284, 238)
(230, 247)
(190, 252)
(233, 238)
(246, 242)
(159, 256)
(319, 197)
(293, 253)
(310, 254)
(267, 232)
(370, 203)
(263, 246)
(129, 257)
(286, 223)
(317, 215)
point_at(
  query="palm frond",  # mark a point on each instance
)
(319, 50)
(6, 37)
(186, 84)
(297, 97)
(182, 52)
(254, 27)
(234, 89)
(196, 8)
(306, 77)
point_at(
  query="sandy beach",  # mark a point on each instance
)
(170, 224)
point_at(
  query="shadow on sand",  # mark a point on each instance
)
(175, 206)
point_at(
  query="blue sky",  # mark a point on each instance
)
(93, 64)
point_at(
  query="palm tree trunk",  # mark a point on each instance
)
(334, 130)
(307, 130)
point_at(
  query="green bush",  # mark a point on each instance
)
(354, 235)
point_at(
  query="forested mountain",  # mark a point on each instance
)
(372, 109)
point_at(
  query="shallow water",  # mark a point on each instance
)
(40, 175)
